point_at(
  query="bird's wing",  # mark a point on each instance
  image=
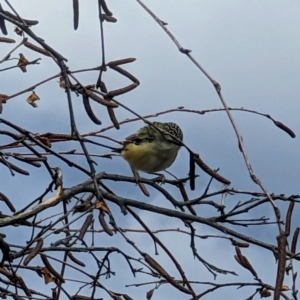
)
(131, 137)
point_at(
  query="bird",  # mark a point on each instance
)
(152, 148)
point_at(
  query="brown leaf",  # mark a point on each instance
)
(62, 82)
(51, 269)
(18, 31)
(102, 206)
(3, 98)
(32, 98)
(47, 275)
(23, 62)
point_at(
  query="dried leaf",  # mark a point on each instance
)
(102, 206)
(23, 62)
(18, 31)
(285, 288)
(62, 82)
(3, 98)
(47, 275)
(32, 98)
(51, 269)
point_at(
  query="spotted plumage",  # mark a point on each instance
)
(151, 149)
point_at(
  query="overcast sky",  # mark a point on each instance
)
(250, 47)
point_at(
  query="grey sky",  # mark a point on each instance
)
(250, 47)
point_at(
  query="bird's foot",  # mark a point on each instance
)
(160, 178)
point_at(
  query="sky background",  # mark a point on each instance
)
(250, 47)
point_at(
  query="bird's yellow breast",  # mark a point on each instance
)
(148, 157)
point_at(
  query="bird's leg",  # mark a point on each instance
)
(136, 175)
(139, 183)
(160, 177)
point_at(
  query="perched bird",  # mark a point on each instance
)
(152, 150)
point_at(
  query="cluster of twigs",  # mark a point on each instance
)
(91, 201)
